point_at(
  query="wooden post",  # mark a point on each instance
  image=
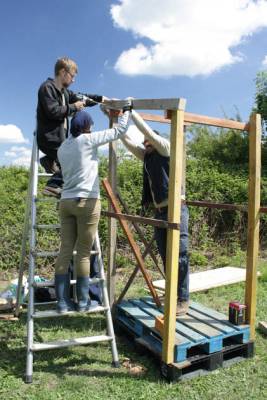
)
(174, 211)
(112, 223)
(253, 218)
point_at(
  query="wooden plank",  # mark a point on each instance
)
(217, 315)
(222, 206)
(219, 122)
(175, 104)
(253, 218)
(204, 280)
(226, 329)
(136, 319)
(174, 211)
(149, 104)
(191, 322)
(155, 118)
(112, 223)
(137, 313)
(200, 326)
(143, 220)
(149, 307)
(190, 118)
(132, 242)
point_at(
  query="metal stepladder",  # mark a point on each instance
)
(29, 235)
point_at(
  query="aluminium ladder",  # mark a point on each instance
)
(29, 233)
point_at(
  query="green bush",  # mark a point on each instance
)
(217, 171)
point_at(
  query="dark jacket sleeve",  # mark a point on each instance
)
(96, 99)
(52, 108)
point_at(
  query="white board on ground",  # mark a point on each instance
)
(209, 279)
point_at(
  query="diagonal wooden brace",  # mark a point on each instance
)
(132, 242)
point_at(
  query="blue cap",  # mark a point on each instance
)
(82, 120)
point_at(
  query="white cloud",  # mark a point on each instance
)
(188, 37)
(264, 62)
(11, 134)
(19, 155)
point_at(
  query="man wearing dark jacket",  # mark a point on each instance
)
(55, 104)
(156, 156)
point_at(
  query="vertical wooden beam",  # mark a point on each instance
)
(253, 219)
(174, 211)
(112, 223)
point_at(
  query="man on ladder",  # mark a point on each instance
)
(31, 226)
(55, 104)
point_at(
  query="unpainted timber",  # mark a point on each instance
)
(132, 242)
(173, 236)
(143, 220)
(190, 118)
(149, 104)
(209, 279)
(253, 219)
(112, 223)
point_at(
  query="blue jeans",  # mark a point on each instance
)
(161, 239)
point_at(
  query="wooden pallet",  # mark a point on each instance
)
(201, 365)
(202, 331)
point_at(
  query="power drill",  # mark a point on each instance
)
(88, 102)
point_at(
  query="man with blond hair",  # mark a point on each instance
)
(55, 104)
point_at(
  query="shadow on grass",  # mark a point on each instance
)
(66, 361)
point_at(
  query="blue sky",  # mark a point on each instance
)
(206, 51)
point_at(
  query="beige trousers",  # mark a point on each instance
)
(79, 220)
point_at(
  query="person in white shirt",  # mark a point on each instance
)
(80, 206)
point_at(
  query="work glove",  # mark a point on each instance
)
(128, 104)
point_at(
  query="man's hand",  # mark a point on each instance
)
(79, 105)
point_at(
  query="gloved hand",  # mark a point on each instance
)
(128, 104)
(104, 109)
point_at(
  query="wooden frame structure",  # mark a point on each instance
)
(176, 116)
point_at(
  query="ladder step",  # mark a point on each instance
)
(45, 253)
(50, 283)
(43, 303)
(50, 226)
(54, 253)
(70, 342)
(53, 313)
(47, 200)
(44, 174)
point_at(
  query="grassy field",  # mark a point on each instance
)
(86, 373)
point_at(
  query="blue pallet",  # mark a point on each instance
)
(202, 330)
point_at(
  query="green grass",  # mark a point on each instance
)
(86, 373)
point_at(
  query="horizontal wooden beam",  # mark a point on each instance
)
(196, 203)
(142, 220)
(149, 104)
(155, 118)
(218, 122)
(222, 206)
(198, 119)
